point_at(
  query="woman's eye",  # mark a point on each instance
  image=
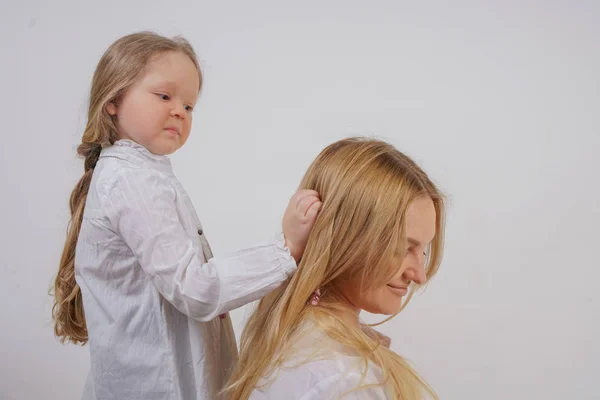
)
(163, 96)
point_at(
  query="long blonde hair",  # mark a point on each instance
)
(120, 66)
(366, 187)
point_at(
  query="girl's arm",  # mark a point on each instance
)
(141, 206)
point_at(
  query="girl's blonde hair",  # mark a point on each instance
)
(120, 66)
(366, 187)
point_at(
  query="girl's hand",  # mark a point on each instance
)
(299, 219)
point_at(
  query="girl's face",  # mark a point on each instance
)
(387, 299)
(156, 111)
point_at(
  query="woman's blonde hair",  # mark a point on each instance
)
(120, 66)
(366, 187)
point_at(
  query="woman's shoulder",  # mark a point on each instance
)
(317, 367)
(329, 378)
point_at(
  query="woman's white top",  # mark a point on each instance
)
(319, 368)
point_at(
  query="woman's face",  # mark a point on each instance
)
(387, 299)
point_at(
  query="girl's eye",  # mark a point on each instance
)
(189, 108)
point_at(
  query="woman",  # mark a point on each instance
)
(378, 237)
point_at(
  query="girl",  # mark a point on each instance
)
(136, 258)
(378, 237)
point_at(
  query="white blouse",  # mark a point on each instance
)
(152, 292)
(319, 368)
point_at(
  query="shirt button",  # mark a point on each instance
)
(200, 232)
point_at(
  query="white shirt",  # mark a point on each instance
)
(152, 301)
(319, 368)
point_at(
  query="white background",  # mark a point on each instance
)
(498, 101)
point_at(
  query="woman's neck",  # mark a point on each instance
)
(350, 314)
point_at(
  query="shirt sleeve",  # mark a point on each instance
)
(141, 208)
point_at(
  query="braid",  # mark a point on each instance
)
(91, 152)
